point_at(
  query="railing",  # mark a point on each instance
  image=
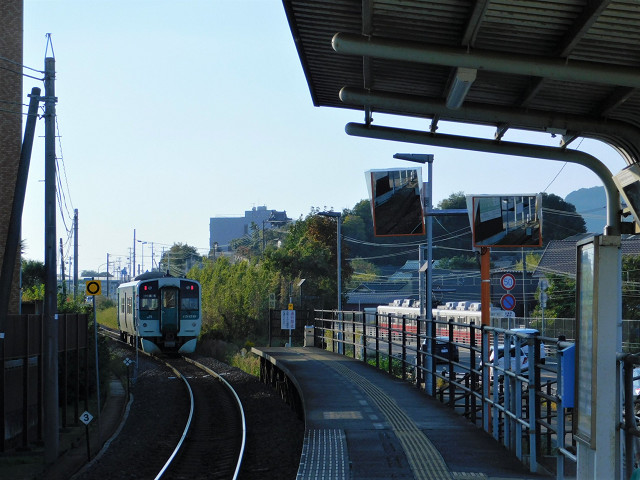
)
(518, 402)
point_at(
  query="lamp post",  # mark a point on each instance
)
(338, 217)
(142, 255)
(428, 159)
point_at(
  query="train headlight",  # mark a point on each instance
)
(194, 324)
(144, 325)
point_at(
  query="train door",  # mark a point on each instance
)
(169, 310)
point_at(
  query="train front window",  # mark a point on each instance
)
(169, 299)
(149, 298)
(189, 296)
(149, 303)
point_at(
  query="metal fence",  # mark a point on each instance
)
(525, 402)
(21, 375)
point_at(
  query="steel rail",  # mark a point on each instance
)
(187, 426)
(192, 407)
(239, 404)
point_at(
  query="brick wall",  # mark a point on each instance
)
(11, 25)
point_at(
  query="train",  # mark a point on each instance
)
(460, 313)
(163, 312)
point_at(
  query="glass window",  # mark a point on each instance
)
(149, 302)
(169, 299)
(189, 303)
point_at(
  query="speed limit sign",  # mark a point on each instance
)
(508, 281)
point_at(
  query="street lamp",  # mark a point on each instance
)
(143, 244)
(338, 218)
(425, 303)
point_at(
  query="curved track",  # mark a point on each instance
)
(213, 442)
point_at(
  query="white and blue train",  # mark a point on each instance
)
(163, 312)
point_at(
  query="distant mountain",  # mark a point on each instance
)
(591, 203)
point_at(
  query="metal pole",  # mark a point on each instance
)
(95, 340)
(429, 272)
(107, 275)
(75, 253)
(50, 361)
(13, 233)
(134, 254)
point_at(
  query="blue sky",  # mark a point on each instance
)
(172, 112)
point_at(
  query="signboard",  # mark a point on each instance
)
(509, 220)
(288, 319)
(508, 301)
(93, 287)
(585, 379)
(272, 301)
(86, 418)
(508, 281)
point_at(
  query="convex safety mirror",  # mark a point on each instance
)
(396, 201)
(506, 220)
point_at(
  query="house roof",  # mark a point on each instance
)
(560, 255)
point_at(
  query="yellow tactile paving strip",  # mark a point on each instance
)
(425, 461)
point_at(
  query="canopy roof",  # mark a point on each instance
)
(567, 67)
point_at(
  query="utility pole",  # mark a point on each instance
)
(134, 254)
(107, 275)
(50, 363)
(62, 279)
(75, 253)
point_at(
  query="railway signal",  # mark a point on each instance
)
(93, 287)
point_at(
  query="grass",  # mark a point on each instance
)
(247, 362)
(108, 317)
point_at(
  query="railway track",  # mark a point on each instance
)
(213, 441)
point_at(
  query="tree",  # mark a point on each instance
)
(235, 297)
(309, 252)
(452, 233)
(561, 302)
(33, 273)
(179, 259)
(363, 271)
(631, 287)
(559, 219)
(459, 262)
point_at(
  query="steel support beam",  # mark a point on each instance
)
(612, 132)
(536, 66)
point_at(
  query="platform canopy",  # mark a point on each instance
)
(566, 67)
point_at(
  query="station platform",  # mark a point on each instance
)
(361, 423)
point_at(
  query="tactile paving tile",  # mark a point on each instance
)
(324, 455)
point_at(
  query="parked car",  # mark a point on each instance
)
(534, 333)
(443, 352)
(517, 356)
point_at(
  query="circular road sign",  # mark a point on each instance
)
(94, 287)
(508, 281)
(508, 301)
